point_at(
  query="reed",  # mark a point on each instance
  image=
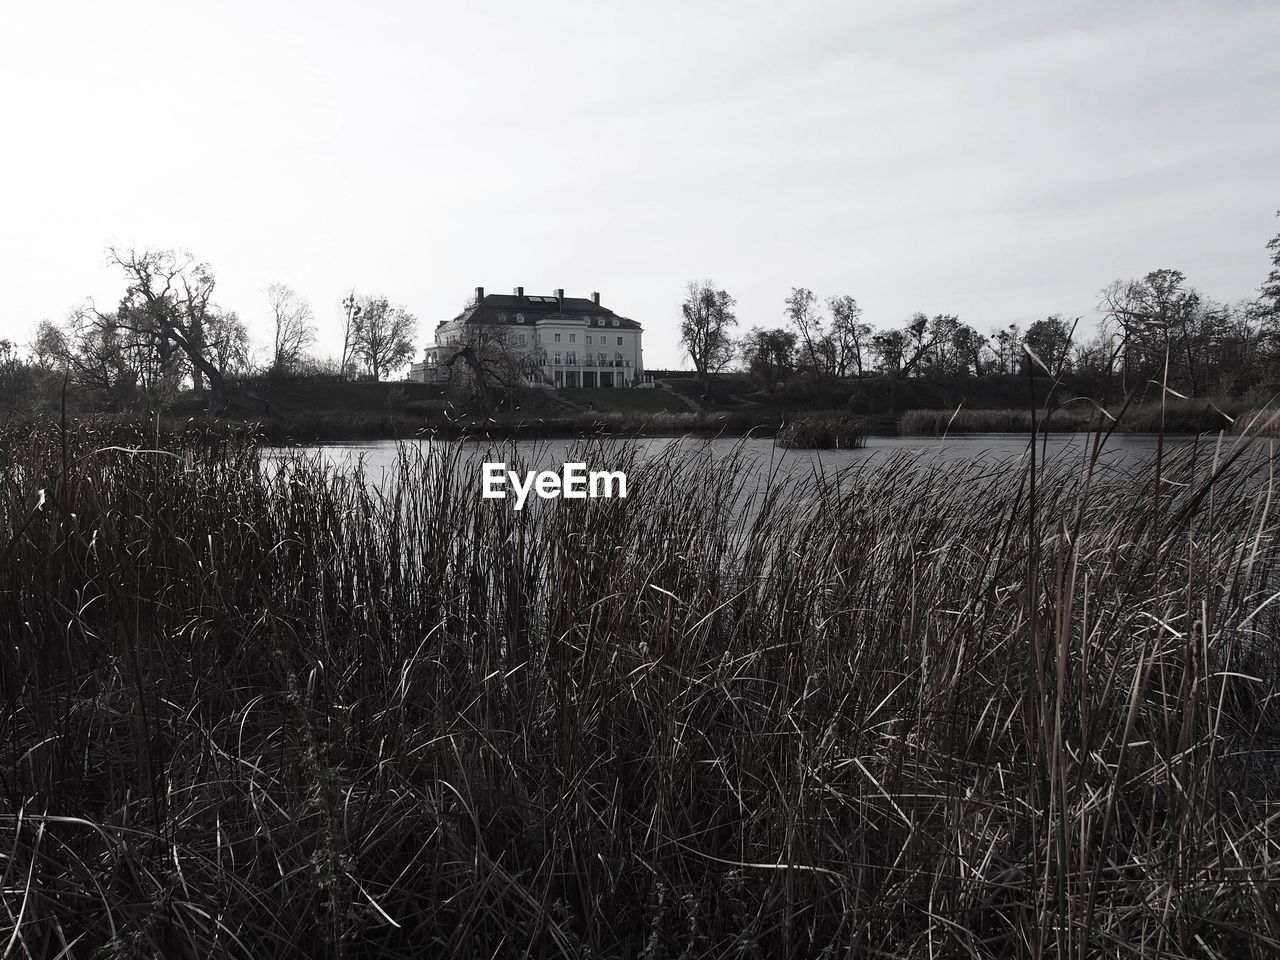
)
(1175, 416)
(256, 705)
(1258, 422)
(823, 433)
(937, 423)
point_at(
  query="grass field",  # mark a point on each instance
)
(255, 708)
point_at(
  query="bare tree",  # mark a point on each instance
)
(1269, 301)
(901, 351)
(351, 311)
(111, 359)
(769, 354)
(705, 329)
(1007, 347)
(383, 336)
(227, 339)
(48, 347)
(499, 369)
(890, 346)
(1157, 317)
(849, 337)
(919, 343)
(802, 311)
(167, 304)
(291, 320)
(1051, 339)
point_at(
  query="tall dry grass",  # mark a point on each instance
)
(264, 708)
(823, 433)
(1174, 416)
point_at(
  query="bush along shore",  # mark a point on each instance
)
(259, 706)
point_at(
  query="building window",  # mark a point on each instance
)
(619, 341)
(615, 321)
(588, 338)
(519, 318)
(523, 338)
(573, 338)
(556, 361)
(557, 338)
(571, 358)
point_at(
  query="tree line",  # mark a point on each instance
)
(1157, 328)
(167, 334)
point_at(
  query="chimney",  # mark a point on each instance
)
(595, 297)
(519, 291)
(479, 294)
(560, 297)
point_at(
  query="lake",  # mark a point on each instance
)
(1124, 452)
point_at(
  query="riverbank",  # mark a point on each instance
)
(261, 710)
(316, 412)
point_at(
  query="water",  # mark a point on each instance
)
(1125, 452)
(993, 448)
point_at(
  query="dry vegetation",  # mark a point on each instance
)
(823, 433)
(257, 708)
(1174, 416)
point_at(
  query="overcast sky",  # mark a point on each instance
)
(997, 160)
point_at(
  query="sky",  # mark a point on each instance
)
(1001, 161)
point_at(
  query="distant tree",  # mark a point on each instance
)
(228, 342)
(802, 312)
(351, 311)
(12, 374)
(768, 354)
(491, 368)
(383, 336)
(113, 360)
(1052, 340)
(1269, 301)
(292, 326)
(941, 331)
(889, 347)
(919, 342)
(1006, 345)
(1155, 319)
(1095, 358)
(968, 350)
(849, 337)
(166, 305)
(48, 346)
(706, 328)
(1233, 349)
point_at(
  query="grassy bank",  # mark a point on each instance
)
(256, 709)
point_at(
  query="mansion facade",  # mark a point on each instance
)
(556, 340)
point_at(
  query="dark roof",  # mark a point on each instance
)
(538, 307)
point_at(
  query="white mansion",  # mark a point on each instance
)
(563, 341)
